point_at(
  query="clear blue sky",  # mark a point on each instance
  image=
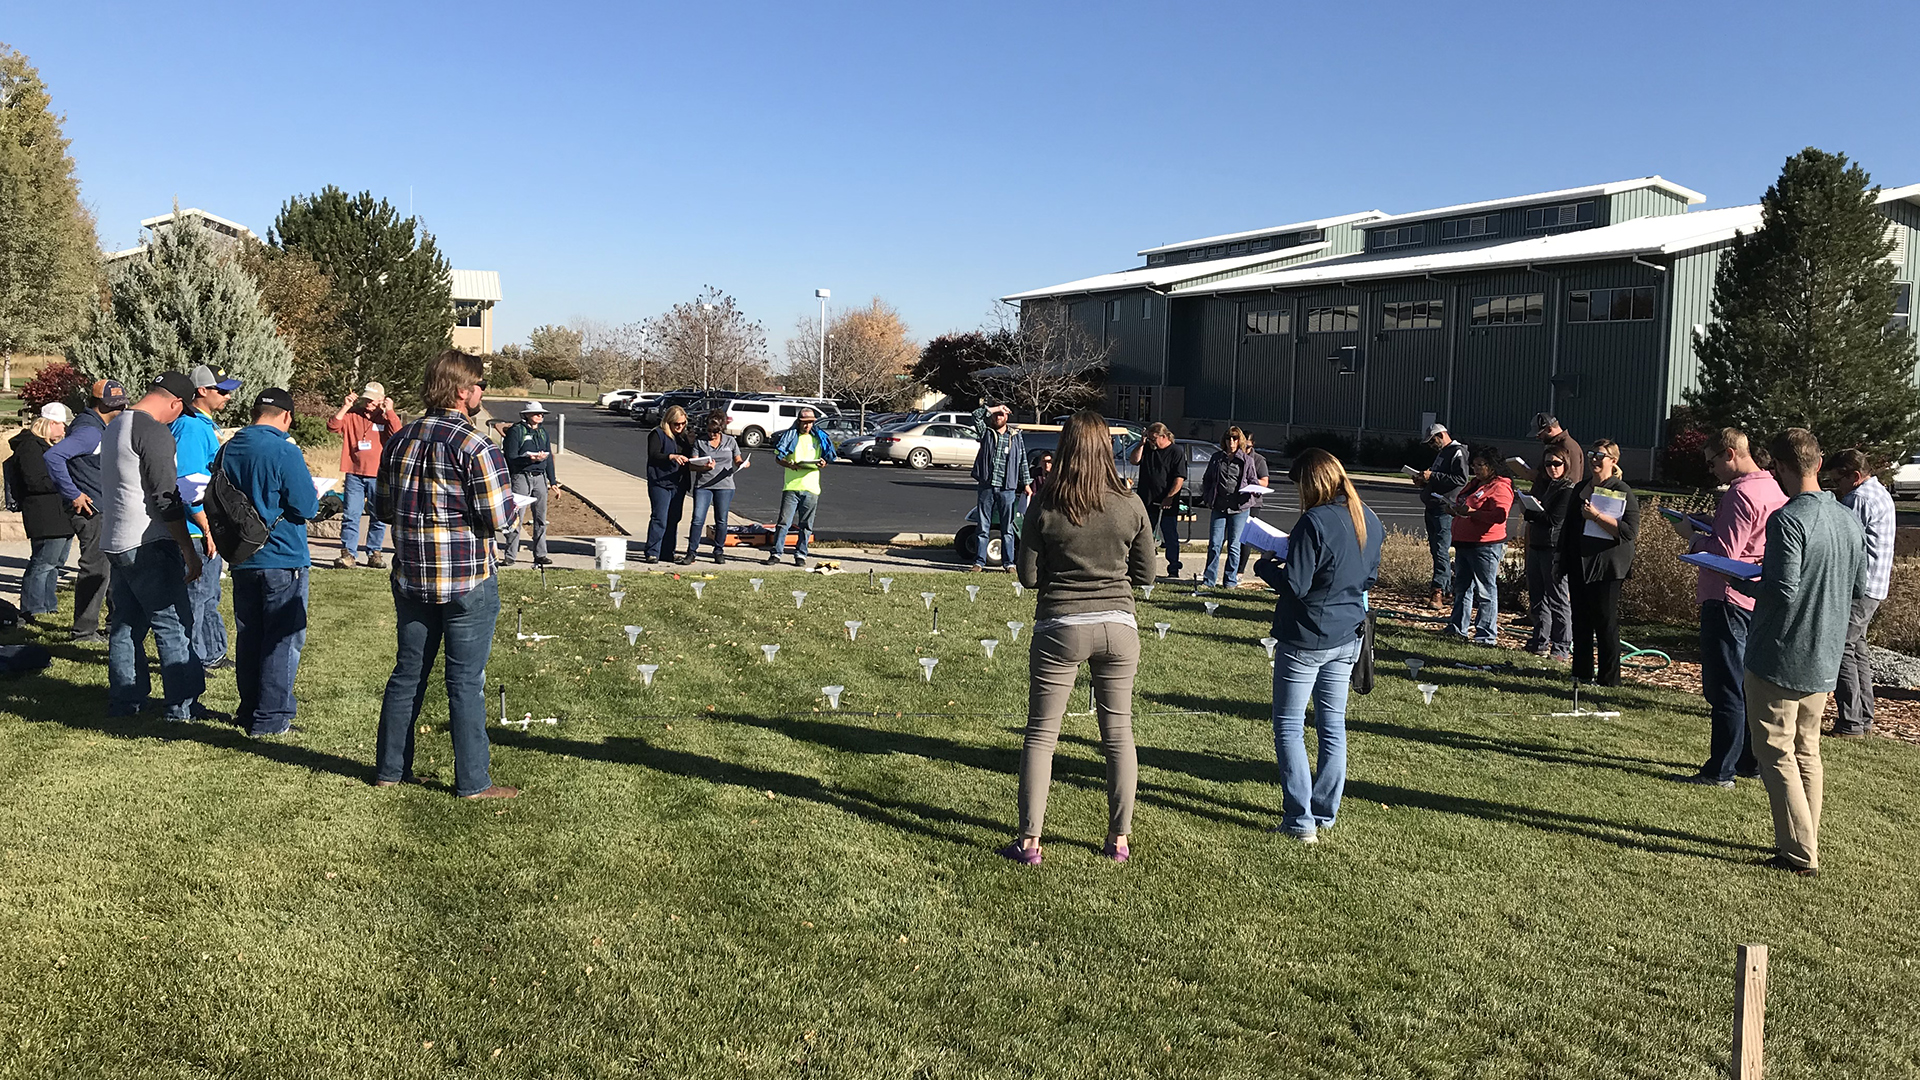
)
(610, 159)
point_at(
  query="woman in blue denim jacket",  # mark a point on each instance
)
(1333, 558)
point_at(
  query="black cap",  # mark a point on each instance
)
(273, 397)
(174, 383)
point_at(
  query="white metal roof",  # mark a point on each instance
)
(1909, 194)
(162, 219)
(1660, 235)
(1156, 277)
(1298, 226)
(475, 284)
(1692, 197)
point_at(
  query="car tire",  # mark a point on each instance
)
(919, 457)
(966, 541)
(753, 438)
(996, 550)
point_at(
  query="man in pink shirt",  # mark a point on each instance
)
(1739, 532)
(365, 421)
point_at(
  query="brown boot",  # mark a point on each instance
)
(345, 561)
(1438, 601)
(377, 561)
(497, 791)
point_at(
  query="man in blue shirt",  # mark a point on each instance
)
(196, 440)
(270, 586)
(74, 464)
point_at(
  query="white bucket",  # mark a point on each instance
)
(610, 552)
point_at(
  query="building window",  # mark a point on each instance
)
(1400, 237)
(1467, 228)
(1113, 311)
(1525, 309)
(1196, 255)
(1412, 315)
(1156, 260)
(1554, 217)
(1313, 236)
(1611, 305)
(1262, 323)
(1217, 251)
(1902, 306)
(466, 313)
(1238, 249)
(1146, 308)
(1262, 245)
(1333, 320)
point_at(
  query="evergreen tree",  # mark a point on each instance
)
(304, 308)
(1800, 336)
(184, 301)
(390, 283)
(49, 257)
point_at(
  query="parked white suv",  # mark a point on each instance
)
(607, 398)
(755, 421)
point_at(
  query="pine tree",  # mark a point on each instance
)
(49, 256)
(1801, 307)
(184, 301)
(390, 282)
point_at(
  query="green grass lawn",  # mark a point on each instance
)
(720, 876)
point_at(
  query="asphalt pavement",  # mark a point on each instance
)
(875, 502)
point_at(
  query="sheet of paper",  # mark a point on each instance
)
(518, 503)
(1259, 534)
(701, 460)
(193, 486)
(1531, 503)
(1410, 470)
(324, 484)
(1720, 564)
(1611, 505)
(1255, 489)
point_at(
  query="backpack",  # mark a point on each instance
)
(235, 523)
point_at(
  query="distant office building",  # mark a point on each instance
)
(1580, 302)
(230, 231)
(474, 294)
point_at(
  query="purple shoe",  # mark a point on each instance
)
(1115, 851)
(1019, 852)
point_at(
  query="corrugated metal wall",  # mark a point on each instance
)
(1205, 332)
(1691, 307)
(1323, 396)
(1264, 389)
(1611, 375)
(1346, 239)
(1643, 202)
(1135, 340)
(1406, 370)
(1501, 372)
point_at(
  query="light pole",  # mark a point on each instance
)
(706, 344)
(823, 294)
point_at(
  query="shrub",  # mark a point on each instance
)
(311, 431)
(1406, 566)
(507, 372)
(1393, 453)
(1681, 463)
(1897, 624)
(1333, 442)
(58, 381)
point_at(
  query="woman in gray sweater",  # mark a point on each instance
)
(1085, 543)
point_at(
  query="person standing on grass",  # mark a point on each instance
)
(1546, 574)
(270, 585)
(1256, 502)
(1814, 571)
(1439, 484)
(74, 464)
(530, 463)
(444, 489)
(364, 422)
(1162, 477)
(1085, 543)
(1333, 558)
(1229, 470)
(1480, 515)
(32, 492)
(717, 460)
(143, 533)
(1001, 476)
(1861, 493)
(803, 451)
(1739, 532)
(196, 439)
(1597, 549)
(669, 448)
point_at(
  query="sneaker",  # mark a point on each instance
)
(344, 562)
(800, 560)
(1019, 852)
(225, 663)
(542, 560)
(1303, 837)
(1116, 852)
(1705, 780)
(1540, 650)
(773, 558)
(290, 729)
(376, 560)
(88, 637)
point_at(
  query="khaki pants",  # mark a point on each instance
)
(1783, 727)
(1112, 653)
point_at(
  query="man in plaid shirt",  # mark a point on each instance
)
(444, 489)
(1861, 493)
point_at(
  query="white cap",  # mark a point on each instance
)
(374, 390)
(53, 410)
(532, 407)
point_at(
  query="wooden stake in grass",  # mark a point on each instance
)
(1749, 1012)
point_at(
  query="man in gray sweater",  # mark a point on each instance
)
(1815, 567)
(143, 533)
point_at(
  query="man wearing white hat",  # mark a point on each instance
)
(530, 462)
(364, 422)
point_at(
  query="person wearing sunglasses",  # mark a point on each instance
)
(1552, 606)
(1596, 547)
(717, 459)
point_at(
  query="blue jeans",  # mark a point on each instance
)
(1311, 800)
(721, 501)
(1167, 522)
(40, 585)
(359, 501)
(994, 505)
(1723, 669)
(1223, 530)
(270, 624)
(1476, 573)
(1439, 536)
(663, 524)
(149, 590)
(796, 510)
(465, 626)
(209, 629)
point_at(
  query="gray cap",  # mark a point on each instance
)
(1436, 429)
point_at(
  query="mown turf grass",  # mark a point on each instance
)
(720, 876)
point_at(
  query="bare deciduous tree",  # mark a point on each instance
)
(1048, 362)
(705, 338)
(870, 356)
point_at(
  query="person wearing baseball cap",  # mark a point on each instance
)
(75, 467)
(1441, 481)
(196, 440)
(31, 490)
(530, 464)
(270, 585)
(364, 422)
(143, 533)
